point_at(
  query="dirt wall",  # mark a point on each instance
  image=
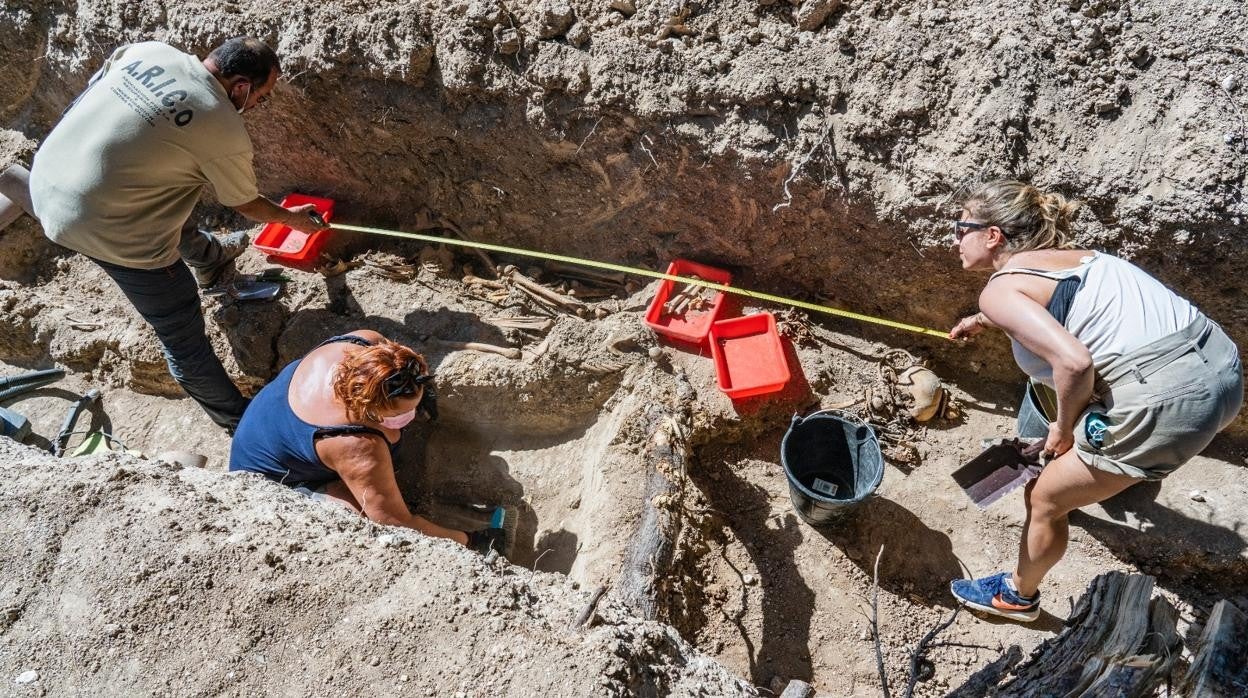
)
(813, 148)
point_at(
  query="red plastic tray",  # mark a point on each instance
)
(692, 326)
(281, 242)
(749, 358)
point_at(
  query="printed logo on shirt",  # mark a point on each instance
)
(151, 98)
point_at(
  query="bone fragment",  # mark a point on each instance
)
(537, 324)
(478, 281)
(508, 352)
(535, 288)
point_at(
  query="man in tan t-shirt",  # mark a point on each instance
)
(117, 179)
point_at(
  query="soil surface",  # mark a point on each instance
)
(812, 148)
(134, 576)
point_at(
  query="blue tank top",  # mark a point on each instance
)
(273, 441)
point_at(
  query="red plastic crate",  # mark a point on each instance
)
(749, 358)
(281, 242)
(693, 325)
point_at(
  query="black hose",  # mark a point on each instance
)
(16, 385)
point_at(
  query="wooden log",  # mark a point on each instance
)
(1220, 665)
(1140, 674)
(1109, 623)
(1118, 642)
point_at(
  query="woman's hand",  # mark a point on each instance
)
(1060, 440)
(968, 327)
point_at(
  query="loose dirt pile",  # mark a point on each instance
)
(128, 576)
(810, 147)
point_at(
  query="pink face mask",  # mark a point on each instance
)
(399, 421)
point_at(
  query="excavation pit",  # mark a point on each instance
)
(628, 472)
(557, 470)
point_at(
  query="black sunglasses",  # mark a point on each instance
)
(406, 381)
(962, 228)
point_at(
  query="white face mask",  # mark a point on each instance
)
(244, 107)
(399, 421)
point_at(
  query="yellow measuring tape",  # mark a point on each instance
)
(645, 272)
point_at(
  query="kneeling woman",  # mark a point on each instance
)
(330, 422)
(1143, 380)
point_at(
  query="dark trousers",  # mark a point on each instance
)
(168, 298)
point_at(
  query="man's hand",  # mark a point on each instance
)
(968, 327)
(299, 218)
(265, 211)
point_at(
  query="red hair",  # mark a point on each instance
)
(360, 377)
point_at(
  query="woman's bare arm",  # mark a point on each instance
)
(1026, 321)
(363, 463)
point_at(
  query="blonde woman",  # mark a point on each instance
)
(1143, 380)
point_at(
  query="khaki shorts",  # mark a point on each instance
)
(1163, 403)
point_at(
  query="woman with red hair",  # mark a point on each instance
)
(329, 423)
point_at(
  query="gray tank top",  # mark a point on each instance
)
(1118, 309)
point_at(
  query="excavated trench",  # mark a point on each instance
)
(627, 472)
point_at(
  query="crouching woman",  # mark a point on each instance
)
(1143, 380)
(329, 424)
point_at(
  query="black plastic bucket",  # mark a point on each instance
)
(832, 461)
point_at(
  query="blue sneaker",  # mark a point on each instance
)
(995, 595)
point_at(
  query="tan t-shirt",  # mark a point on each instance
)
(120, 173)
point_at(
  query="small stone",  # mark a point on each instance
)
(555, 17)
(654, 352)
(1104, 106)
(112, 629)
(173, 598)
(374, 660)
(27, 677)
(811, 14)
(578, 35)
(506, 40)
(1230, 83)
(386, 540)
(625, 7)
(485, 13)
(1196, 496)
(404, 678)
(750, 580)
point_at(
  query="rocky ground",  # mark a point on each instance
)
(812, 147)
(133, 576)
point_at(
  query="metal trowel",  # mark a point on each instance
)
(244, 290)
(1003, 466)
